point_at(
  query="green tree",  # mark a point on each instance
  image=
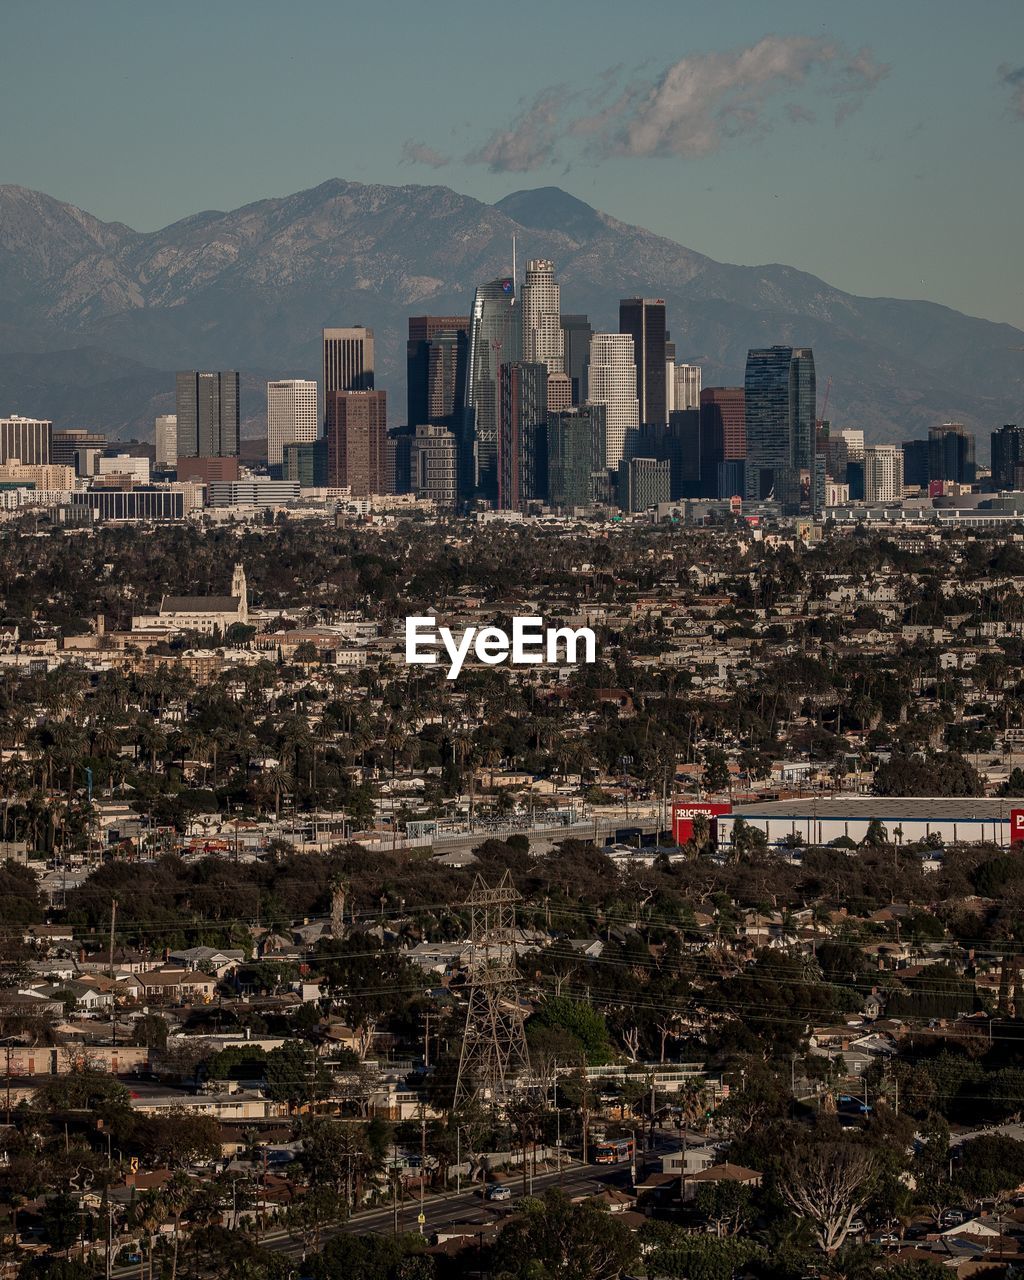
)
(557, 1240)
(582, 1021)
(295, 1074)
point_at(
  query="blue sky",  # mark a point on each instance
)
(879, 145)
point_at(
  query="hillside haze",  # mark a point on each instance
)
(98, 316)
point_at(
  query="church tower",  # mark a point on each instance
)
(240, 590)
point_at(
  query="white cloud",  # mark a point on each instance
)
(419, 153)
(691, 108)
(530, 140)
(703, 99)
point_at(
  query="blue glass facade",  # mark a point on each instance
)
(495, 338)
(780, 407)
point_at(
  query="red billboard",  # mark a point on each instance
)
(684, 812)
(1017, 826)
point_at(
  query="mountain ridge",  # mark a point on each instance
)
(251, 287)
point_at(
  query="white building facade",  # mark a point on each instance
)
(612, 383)
(883, 473)
(543, 339)
(686, 386)
(291, 416)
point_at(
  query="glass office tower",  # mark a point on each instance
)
(779, 405)
(495, 338)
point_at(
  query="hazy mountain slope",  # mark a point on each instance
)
(252, 287)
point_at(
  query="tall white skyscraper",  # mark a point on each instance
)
(883, 473)
(165, 436)
(291, 416)
(686, 381)
(540, 298)
(611, 381)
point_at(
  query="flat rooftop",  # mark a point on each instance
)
(886, 808)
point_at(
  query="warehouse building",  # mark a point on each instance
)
(907, 819)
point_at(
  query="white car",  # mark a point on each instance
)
(499, 1192)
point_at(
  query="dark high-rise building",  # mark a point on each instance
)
(306, 462)
(723, 441)
(576, 334)
(495, 338)
(432, 367)
(644, 320)
(1007, 455)
(677, 444)
(779, 407)
(208, 414)
(357, 441)
(915, 464)
(576, 457)
(348, 360)
(643, 483)
(446, 377)
(951, 454)
(522, 426)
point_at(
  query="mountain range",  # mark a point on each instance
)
(97, 316)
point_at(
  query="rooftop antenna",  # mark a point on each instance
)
(514, 279)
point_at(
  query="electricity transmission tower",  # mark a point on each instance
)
(494, 1045)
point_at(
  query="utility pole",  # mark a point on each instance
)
(113, 922)
(423, 1166)
(113, 1009)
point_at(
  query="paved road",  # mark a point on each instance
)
(468, 1209)
(442, 1212)
(1006, 1130)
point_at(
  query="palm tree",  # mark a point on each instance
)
(278, 781)
(395, 738)
(175, 1199)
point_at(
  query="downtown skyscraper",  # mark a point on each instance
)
(348, 360)
(543, 340)
(522, 434)
(779, 404)
(208, 414)
(435, 365)
(576, 334)
(951, 454)
(291, 416)
(644, 320)
(356, 434)
(495, 338)
(1007, 456)
(611, 380)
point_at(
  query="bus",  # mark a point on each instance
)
(613, 1151)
